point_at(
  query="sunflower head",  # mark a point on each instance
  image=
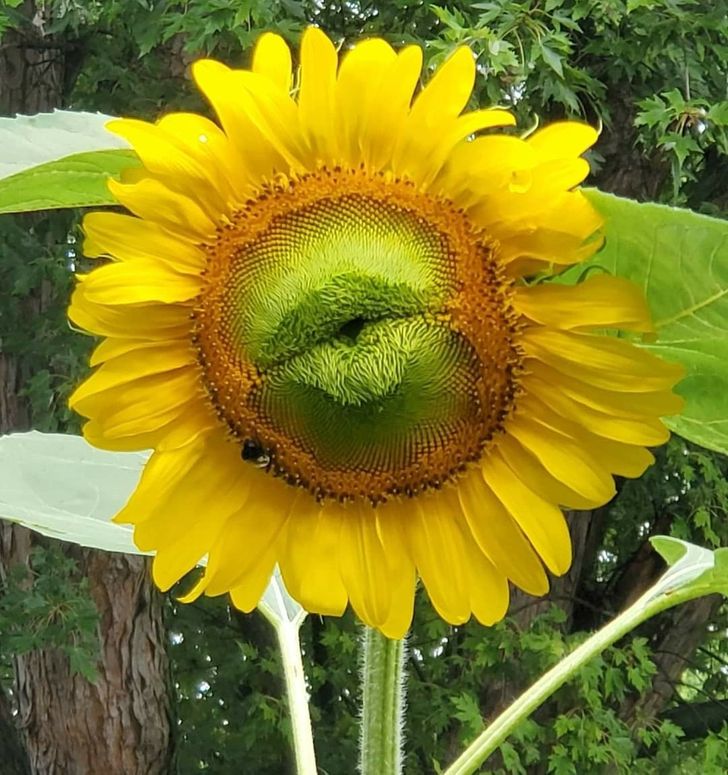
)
(320, 315)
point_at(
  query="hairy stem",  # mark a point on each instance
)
(383, 700)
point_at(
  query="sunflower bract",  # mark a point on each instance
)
(317, 315)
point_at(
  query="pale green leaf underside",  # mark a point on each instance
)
(28, 141)
(75, 181)
(57, 160)
(680, 259)
(693, 570)
(61, 487)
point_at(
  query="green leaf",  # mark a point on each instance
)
(670, 549)
(680, 259)
(60, 159)
(60, 486)
(75, 181)
(693, 572)
(28, 141)
(552, 59)
(718, 113)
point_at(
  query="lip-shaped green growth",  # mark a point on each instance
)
(327, 312)
(376, 401)
(315, 268)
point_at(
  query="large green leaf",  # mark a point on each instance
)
(29, 141)
(76, 181)
(60, 159)
(61, 487)
(680, 259)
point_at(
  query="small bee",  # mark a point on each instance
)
(254, 453)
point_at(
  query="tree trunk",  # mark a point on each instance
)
(120, 723)
(12, 752)
(628, 170)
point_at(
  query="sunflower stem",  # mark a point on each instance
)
(658, 598)
(297, 693)
(383, 704)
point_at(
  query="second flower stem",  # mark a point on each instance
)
(383, 699)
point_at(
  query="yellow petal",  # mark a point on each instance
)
(559, 227)
(526, 254)
(518, 213)
(499, 537)
(562, 457)
(127, 238)
(458, 131)
(143, 321)
(111, 348)
(600, 301)
(647, 431)
(130, 422)
(250, 532)
(309, 557)
(247, 594)
(152, 200)
(363, 564)
(357, 88)
(231, 103)
(558, 175)
(258, 117)
(387, 112)
(447, 93)
(633, 404)
(487, 165)
(107, 391)
(272, 58)
(541, 521)
(488, 587)
(316, 95)
(563, 139)
(156, 358)
(198, 420)
(192, 423)
(436, 545)
(539, 479)
(166, 156)
(160, 476)
(186, 546)
(401, 568)
(140, 282)
(433, 114)
(212, 486)
(204, 141)
(600, 360)
(622, 459)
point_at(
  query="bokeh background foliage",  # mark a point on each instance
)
(198, 688)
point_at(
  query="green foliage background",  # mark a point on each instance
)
(653, 73)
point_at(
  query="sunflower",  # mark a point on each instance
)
(321, 316)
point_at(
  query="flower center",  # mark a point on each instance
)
(356, 335)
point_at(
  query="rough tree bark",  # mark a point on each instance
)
(120, 723)
(12, 752)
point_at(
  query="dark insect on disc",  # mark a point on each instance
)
(254, 453)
